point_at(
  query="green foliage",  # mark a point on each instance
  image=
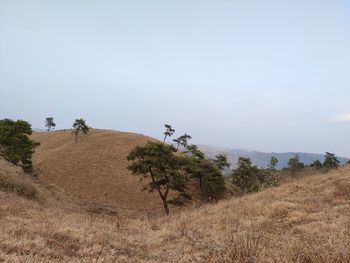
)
(15, 145)
(49, 123)
(221, 162)
(80, 125)
(249, 178)
(182, 140)
(273, 163)
(165, 168)
(169, 169)
(246, 177)
(169, 131)
(316, 164)
(194, 152)
(213, 181)
(331, 161)
(294, 164)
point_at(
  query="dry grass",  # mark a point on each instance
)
(12, 179)
(94, 169)
(306, 221)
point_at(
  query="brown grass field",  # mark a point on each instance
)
(94, 170)
(303, 221)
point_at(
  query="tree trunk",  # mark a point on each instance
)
(162, 196)
(201, 184)
(76, 137)
(166, 208)
(165, 138)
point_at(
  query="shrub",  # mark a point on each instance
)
(316, 164)
(331, 161)
(294, 164)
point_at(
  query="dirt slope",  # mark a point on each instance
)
(94, 169)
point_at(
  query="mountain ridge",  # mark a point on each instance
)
(262, 159)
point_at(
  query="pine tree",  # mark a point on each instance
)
(331, 161)
(160, 163)
(169, 131)
(80, 125)
(273, 163)
(49, 123)
(15, 144)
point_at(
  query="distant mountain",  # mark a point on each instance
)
(262, 159)
(38, 130)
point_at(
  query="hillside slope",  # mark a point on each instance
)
(14, 181)
(302, 221)
(94, 169)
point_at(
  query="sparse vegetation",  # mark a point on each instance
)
(306, 220)
(15, 145)
(243, 229)
(80, 125)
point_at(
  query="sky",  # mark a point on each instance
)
(256, 75)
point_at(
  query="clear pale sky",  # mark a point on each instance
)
(261, 75)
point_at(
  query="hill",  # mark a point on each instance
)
(14, 181)
(301, 221)
(94, 169)
(262, 159)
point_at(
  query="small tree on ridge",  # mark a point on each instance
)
(169, 131)
(273, 163)
(80, 125)
(49, 123)
(182, 140)
(331, 161)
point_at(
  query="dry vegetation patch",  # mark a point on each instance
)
(13, 180)
(94, 169)
(303, 221)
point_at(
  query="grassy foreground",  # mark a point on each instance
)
(302, 221)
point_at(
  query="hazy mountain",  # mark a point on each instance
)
(262, 159)
(38, 130)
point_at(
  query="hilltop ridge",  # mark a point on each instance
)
(94, 169)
